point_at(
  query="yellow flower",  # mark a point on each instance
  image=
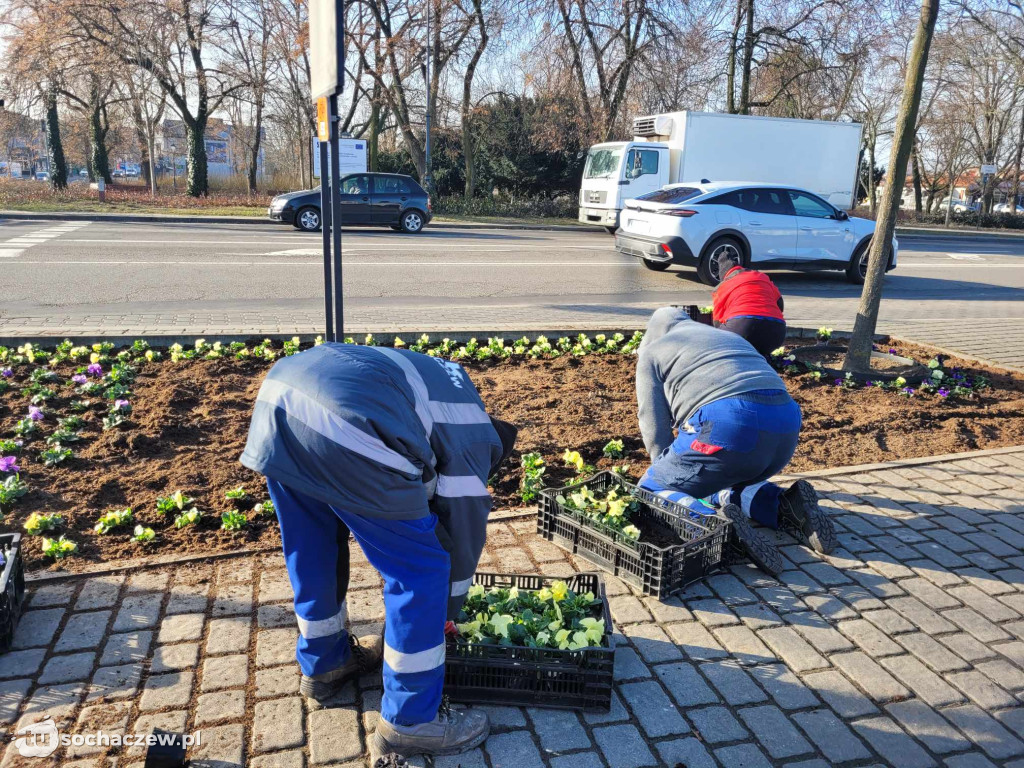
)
(631, 531)
(579, 640)
(543, 638)
(573, 459)
(594, 629)
(544, 595)
(94, 357)
(559, 590)
(470, 628)
(562, 638)
(616, 507)
(477, 590)
(500, 623)
(554, 626)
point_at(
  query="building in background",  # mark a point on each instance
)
(225, 150)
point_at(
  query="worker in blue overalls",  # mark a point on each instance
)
(737, 426)
(395, 448)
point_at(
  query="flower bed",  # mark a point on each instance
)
(144, 425)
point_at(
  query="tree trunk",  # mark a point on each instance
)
(859, 356)
(916, 174)
(198, 182)
(98, 158)
(55, 146)
(748, 59)
(373, 133)
(151, 140)
(730, 67)
(254, 151)
(949, 203)
(1015, 185)
(872, 186)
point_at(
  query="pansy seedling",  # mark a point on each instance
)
(188, 517)
(266, 509)
(58, 549)
(143, 535)
(11, 488)
(37, 524)
(614, 449)
(238, 494)
(51, 457)
(176, 502)
(233, 521)
(10, 447)
(63, 436)
(115, 518)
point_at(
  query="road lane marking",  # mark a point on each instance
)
(13, 248)
(966, 256)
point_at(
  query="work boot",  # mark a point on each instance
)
(798, 508)
(365, 657)
(450, 733)
(758, 547)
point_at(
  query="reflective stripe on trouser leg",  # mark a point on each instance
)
(415, 568)
(760, 502)
(315, 543)
(647, 482)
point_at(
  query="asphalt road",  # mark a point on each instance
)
(121, 268)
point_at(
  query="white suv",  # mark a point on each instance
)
(766, 225)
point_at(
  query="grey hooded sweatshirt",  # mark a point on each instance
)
(683, 365)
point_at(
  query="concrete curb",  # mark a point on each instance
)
(904, 231)
(858, 468)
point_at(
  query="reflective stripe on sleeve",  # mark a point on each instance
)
(460, 588)
(424, 661)
(312, 629)
(302, 407)
(458, 413)
(454, 486)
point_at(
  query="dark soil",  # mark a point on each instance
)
(191, 418)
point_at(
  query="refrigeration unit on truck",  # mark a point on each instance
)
(815, 155)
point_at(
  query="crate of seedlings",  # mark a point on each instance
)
(653, 544)
(533, 641)
(12, 587)
(699, 314)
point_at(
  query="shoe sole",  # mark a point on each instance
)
(380, 748)
(320, 690)
(758, 548)
(817, 528)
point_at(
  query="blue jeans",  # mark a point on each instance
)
(726, 452)
(415, 568)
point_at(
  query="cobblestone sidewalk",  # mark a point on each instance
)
(905, 648)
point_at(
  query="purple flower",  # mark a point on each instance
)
(9, 464)
(892, 350)
(908, 391)
(79, 378)
(121, 405)
(6, 373)
(943, 392)
(36, 413)
(95, 369)
(838, 382)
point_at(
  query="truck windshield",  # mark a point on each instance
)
(602, 163)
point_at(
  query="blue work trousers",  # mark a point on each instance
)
(415, 568)
(726, 452)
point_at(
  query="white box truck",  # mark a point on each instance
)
(819, 156)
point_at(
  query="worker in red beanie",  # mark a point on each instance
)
(747, 303)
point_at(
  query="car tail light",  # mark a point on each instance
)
(666, 249)
(430, 205)
(682, 213)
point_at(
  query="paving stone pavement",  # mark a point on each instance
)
(903, 648)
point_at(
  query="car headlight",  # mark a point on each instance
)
(278, 205)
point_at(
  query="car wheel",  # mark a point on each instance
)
(412, 222)
(709, 270)
(657, 266)
(308, 219)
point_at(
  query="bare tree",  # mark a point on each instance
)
(858, 357)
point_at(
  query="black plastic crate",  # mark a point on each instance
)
(12, 587)
(534, 677)
(694, 312)
(654, 570)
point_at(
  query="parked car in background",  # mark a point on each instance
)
(769, 226)
(959, 206)
(1007, 208)
(42, 176)
(367, 199)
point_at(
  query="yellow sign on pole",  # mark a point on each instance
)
(323, 123)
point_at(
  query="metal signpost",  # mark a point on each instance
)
(327, 73)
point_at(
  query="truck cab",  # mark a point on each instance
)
(618, 171)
